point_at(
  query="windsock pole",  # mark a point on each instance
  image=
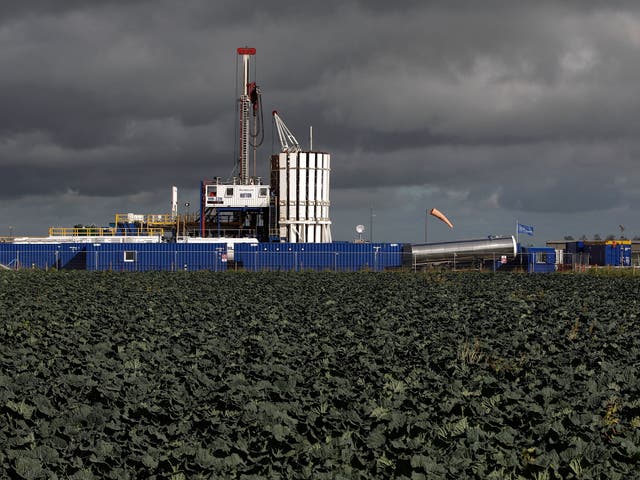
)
(426, 221)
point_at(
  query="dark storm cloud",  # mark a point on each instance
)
(593, 195)
(12, 9)
(75, 118)
(468, 98)
(154, 155)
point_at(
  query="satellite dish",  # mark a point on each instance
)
(360, 229)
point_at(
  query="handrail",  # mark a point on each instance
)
(103, 232)
(159, 219)
(156, 219)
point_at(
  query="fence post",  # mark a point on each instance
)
(375, 258)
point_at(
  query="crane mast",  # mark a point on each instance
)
(288, 142)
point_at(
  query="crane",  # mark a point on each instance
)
(288, 142)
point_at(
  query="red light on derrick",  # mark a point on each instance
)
(246, 51)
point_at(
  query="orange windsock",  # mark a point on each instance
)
(438, 214)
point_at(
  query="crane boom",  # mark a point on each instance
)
(288, 142)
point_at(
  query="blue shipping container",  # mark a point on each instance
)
(618, 255)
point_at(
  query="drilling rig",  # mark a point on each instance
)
(293, 208)
(239, 207)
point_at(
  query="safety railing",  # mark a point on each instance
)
(230, 232)
(104, 232)
(165, 219)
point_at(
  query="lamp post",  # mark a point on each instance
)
(186, 217)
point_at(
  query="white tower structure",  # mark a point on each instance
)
(301, 182)
(174, 202)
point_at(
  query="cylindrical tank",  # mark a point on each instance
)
(300, 182)
(463, 250)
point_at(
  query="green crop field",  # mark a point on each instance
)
(319, 376)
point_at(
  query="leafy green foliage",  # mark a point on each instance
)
(318, 375)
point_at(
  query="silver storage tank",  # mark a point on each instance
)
(462, 251)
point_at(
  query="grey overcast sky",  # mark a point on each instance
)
(491, 111)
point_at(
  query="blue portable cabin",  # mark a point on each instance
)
(337, 256)
(61, 256)
(142, 257)
(538, 259)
